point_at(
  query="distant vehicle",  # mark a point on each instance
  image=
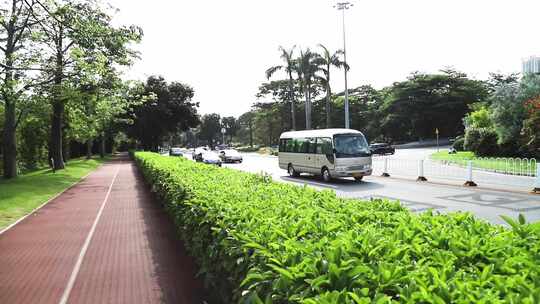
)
(452, 150)
(327, 152)
(197, 153)
(382, 149)
(230, 156)
(210, 158)
(175, 152)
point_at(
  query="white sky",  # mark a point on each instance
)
(222, 48)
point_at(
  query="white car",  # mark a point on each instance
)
(198, 152)
(230, 156)
(210, 158)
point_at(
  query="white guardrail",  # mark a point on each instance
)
(511, 173)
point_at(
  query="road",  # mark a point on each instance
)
(417, 196)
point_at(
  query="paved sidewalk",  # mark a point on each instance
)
(103, 241)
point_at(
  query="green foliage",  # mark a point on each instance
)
(32, 147)
(479, 119)
(257, 241)
(428, 101)
(507, 113)
(531, 128)
(483, 142)
(459, 144)
(166, 108)
(210, 128)
(231, 126)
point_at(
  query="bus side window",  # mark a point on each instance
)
(312, 145)
(296, 145)
(326, 146)
(290, 145)
(304, 146)
(318, 146)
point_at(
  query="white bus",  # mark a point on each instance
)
(327, 152)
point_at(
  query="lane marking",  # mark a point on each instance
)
(84, 248)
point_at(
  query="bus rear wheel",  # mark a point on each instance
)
(292, 172)
(326, 175)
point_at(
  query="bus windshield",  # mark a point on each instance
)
(351, 145)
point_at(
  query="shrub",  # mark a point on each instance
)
(458, 144)
(483, 142)
(258, 241)
(248, 149)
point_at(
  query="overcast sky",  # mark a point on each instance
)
(222, 48)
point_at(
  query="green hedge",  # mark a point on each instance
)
(258, 241)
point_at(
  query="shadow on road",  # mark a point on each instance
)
(340, 184)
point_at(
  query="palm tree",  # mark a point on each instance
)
(306, 68)
(326, 60)
(289, 67)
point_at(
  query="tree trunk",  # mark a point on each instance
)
(58, 106)
(10, 141)
(56, 135)
(308, 109)
(250, 134)
(89, 149)
(291, 98)
(328, 97)
(102, 146)
(66, 151)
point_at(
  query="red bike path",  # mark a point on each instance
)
(105, 240)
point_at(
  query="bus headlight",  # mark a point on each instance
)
(367, 166)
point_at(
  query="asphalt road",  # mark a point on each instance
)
(485, 203)
(417, 196)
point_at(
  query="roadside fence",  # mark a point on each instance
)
(509, 173)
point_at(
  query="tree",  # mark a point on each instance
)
(328, 60)
(166, 108)
(531, 127)
(245, 121)
(306, 69)
(18, 54)
(497, 80)
(289, 67)
(268, 122)
(77, 32)
(210, 128)
(231, 126)
(428, 101)
(507, 113)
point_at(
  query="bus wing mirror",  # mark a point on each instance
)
(334, 151)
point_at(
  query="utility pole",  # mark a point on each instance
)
(342, 6)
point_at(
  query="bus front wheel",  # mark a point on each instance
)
(358, 178)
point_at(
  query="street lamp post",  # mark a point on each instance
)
(342, 6)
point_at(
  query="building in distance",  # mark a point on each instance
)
(531, 65)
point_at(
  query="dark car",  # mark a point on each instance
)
(175, 152)
(382, 149)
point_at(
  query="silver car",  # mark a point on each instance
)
(230, 156)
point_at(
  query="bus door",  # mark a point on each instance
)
(324, 153)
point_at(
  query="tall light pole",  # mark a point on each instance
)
(342, 6)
